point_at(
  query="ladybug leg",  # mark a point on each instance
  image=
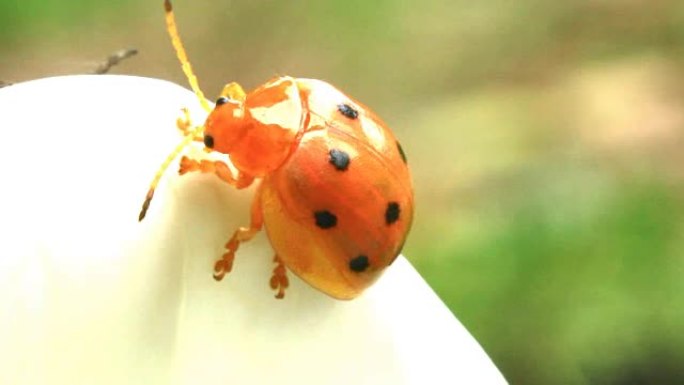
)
(184, 124)
(279, 279)
(243, 234)
(217, 167)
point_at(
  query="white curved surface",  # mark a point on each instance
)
(89, 295)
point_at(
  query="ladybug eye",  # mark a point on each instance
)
(209, 141)
(222, 100)
(348, 111)
(359, 264)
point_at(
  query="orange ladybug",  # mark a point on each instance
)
(335, 195)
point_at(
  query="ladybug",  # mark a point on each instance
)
(335, 194)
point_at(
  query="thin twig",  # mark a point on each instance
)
(114, 59)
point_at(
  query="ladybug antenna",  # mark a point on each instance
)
(182, 56)
(157, 177)
(192, 79)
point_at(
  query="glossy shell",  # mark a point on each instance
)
(348, 166)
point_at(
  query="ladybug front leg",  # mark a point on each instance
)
(224, 265)
(217, 167)
(184, 124)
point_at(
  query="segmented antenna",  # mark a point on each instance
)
(192, 79)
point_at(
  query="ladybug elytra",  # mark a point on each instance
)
(335, 194)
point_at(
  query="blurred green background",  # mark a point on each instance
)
(546, 141)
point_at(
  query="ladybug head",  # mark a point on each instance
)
(224, 127)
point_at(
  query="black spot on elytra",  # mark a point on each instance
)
(401, 152)
(209, 141)
(221, 100)
(348, 111)
(325, 219)
(359, 264)
(392, 212)
(339, 159)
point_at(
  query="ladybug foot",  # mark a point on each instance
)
(205, 166)
(184, 125)
(224, 265)
(183, 122)
(279, 279)
(187, 165)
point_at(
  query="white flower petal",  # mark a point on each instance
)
(90, 296)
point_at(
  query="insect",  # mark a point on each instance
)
(335, 193)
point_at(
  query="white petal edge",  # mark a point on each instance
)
(89, 295)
